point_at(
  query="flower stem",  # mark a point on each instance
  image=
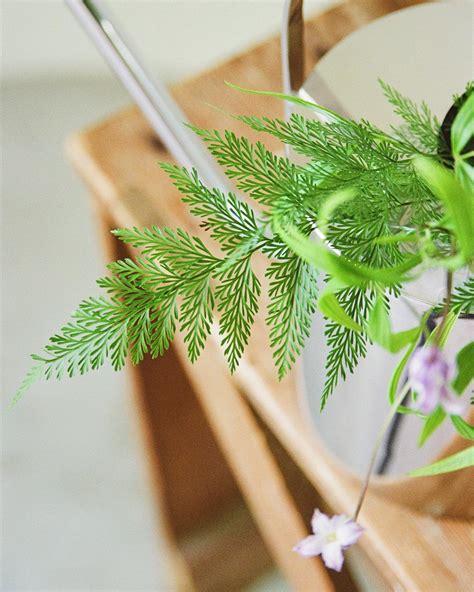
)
(449, 291)
(386, 424)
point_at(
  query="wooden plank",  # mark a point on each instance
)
(256, 472)
(118, 159)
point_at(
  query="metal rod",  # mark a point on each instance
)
(153, 98)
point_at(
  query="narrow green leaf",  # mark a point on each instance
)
(464, 171)
(460, 460)
(351, 273)
(291, 99)
(465, 429)
(397, 374)
(465, 364)
(432, 422)
(330, 205)
(379, 329)
(399, 340)
(378, 324)
(404, 410)
(401, 237)
(457, 199)
(445, 329)
(330, 307)
(462, 129)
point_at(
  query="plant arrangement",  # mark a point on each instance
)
(371, 211)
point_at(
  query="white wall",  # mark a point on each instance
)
(176, 37)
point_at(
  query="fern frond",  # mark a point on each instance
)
(176, 249)
(346, 347)
(196, 314)
(237, 293)
(293, 300)
(462, 299)
(422, 126)
(229, 219)
(178, 281)
(266, 177)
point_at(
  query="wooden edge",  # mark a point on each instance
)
(256, 471)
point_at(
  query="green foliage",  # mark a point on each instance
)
(293, 296)
(346, 346)
(331, 309)
(462, 301)
(431, 424)
(465, 368)
(269, 179)
(379, 329)
(457, 199)
(463, 428)
(421, 127)
(362, 186)
(230, 220)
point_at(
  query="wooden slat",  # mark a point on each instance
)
(118, 158)
(256, 471)
(182, 453)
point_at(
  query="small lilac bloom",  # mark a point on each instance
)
(430, 374)
(331, 537)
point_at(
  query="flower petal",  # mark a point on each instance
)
(320, 523)
(332, 556)
(426, 401)
(310, 546)
(452, 404)
(349, 533)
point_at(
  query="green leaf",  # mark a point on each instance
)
(465, 429)
(465, 365)
(332, 115)
(230, 220)
(462, 129)
(457, 199)
(404, 410)
(379, 329)
(378, 324)
(345, 346)
(399, 340)
(400, 237)
(456, 462)
(351, 273)
(263, 175)
(330, 307)
(444, 328)
(464, 171)
(432, 422)
(397, 374)
(331, 204)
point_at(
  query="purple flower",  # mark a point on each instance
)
(331, 537)
(429, 374)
